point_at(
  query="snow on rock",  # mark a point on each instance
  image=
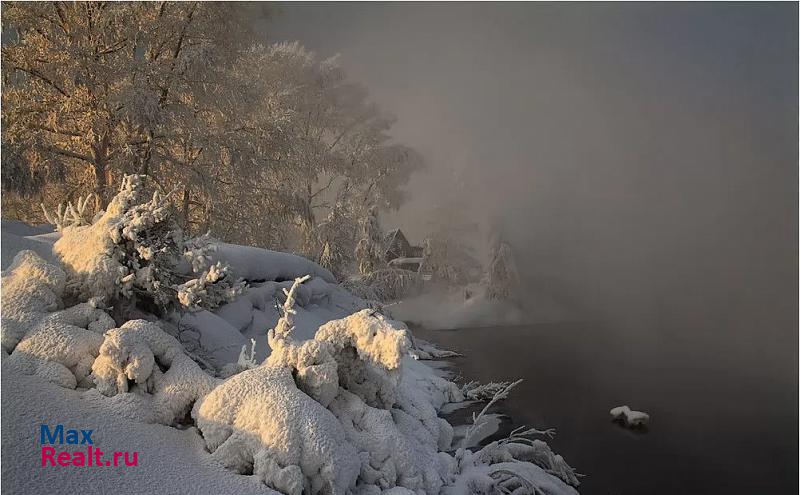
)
(630, 417)
(142, 353)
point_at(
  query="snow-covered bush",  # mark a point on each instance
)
(336, 236)
(332, 258)
(437, 262)
(70, 216)
(368, 350)
(258, 422)
(136, 251)
(515, 464)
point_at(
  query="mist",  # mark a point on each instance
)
(201, 255)
(641, 159)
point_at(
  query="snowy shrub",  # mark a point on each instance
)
(246, 361)
(368, 350)
(439, 263)
(484, 391)
(515, 464)
(425, 350)
(70, 216)
(136, 251)
(258, 422)
(369, 249)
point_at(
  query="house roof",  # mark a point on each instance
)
(393, 235)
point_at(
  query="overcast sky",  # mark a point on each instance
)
(641, 158)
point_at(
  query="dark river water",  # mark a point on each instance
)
(722, 420)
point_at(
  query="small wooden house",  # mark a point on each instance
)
(396, 245)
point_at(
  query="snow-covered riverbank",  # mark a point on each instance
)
(335, 399)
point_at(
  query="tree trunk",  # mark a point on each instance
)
(102, 174)
(185, 208)
(100, 185)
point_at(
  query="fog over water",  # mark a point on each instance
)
(641, 159)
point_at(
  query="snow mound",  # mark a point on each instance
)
(252, 263)
(259, 422)
(368, 349)
(31, 289)
(140, 357)
(58, 346)
(328, 414)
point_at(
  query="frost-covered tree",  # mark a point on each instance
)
(103, 87)
(437, 263)
(369, 250)
(337, 235)
(449, 248)
(257, 142)
(501, 279)
(320, 141)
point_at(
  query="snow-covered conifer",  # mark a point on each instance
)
(502, 279)
(369, 250)
(135, 252)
